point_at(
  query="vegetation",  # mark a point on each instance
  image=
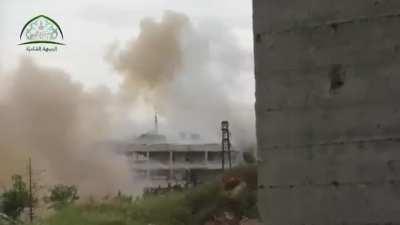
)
(233, 193)
(62, 196)
(15, 199)
(192, 207)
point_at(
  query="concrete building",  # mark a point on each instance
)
(183, 164)
(328, 121)
(187, 161)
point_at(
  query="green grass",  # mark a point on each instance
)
(192, 207)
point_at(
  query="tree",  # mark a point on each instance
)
(249, 157)
(62, 195)
(16, 199)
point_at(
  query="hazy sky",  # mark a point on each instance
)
(91, 26)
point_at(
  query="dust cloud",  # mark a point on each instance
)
(47, 116)
(191, 74)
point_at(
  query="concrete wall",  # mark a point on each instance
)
(327, 107)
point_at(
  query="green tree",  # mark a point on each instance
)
(62, 195)
(15, 199)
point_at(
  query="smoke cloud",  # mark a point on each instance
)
(154, 57)
(191, 74)
(47, 116)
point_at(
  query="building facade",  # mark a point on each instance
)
(328, 118)
(163, 165)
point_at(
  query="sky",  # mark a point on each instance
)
(92, 27)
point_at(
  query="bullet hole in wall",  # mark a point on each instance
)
(337, 75)
(258, 38)
(335, 183)
(334, 27)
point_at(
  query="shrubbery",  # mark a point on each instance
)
(191, 207)
(62, 195)
(16, 198)
(233, 193)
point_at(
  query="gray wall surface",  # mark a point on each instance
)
(328, 111)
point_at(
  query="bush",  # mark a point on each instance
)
(62, 195)
(195, 206)
(16, 199)
(249, 158)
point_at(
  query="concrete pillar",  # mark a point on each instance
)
(206, 157)
(171, 165)
(148, 165)
(328, 119)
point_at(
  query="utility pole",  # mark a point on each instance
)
(30, 191)
(226, 144)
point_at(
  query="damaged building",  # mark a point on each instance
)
(186, 162)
